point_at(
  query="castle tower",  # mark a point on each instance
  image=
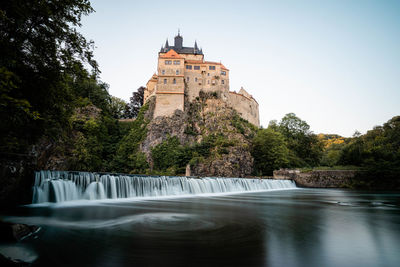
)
(178, 41)
(170, 86)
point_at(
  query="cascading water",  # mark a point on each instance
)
(59, 186)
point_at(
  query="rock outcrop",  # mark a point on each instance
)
(206, 116)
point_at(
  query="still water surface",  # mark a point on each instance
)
(300, 227)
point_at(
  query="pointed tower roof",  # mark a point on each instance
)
(179, 48)
(171, 54)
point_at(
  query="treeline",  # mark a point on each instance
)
(291, 144)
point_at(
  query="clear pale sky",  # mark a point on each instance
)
(335, 64)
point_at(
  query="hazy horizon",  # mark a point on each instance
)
(335, 64)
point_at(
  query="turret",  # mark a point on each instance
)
(178, 41)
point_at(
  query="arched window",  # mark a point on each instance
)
(165, 81)
(174, 81)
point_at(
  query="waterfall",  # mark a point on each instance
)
(59, 186)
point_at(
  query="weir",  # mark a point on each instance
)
(60, 186)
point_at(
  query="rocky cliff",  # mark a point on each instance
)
(208, 120)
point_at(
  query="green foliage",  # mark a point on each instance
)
(41, 53)
(128, 158)
(117, 107)
(238, 124)
(269, 151)
(378, 150)
(243, 126)
(305, 147)
(170, 156)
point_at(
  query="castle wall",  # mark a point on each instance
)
(247, 107)
(205, 79)
(192, 57)
(166, 104)
(150, 88)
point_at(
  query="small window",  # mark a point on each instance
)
(208, 74)
(195, 79)
(177, 72)
(187, 79)
(177, 62)
(223, 72)
(168, 62)
(196, 67)
(188, 67)
(208, 81)
(165, 81)
(174, 81)
(211, 67)
(223, 81)
(163, 72)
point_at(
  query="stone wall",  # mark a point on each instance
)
(167, 103)
(247, 107)
(318, 178)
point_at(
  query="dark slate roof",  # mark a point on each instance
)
(179, 48)
(183, 50)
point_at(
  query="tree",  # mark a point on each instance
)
(117, 107)
(41, 52)
(269, 151)
(136, 102)
(305, 147)
(292, 126)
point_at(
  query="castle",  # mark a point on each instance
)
(183, 72)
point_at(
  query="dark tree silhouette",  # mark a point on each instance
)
(136, 102)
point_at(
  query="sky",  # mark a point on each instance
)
(335, 64)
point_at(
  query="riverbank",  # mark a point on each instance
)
(353, 179)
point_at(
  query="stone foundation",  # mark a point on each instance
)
(318, 178)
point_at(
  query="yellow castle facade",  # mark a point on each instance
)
(183, 70)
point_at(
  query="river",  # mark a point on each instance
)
(292, 227)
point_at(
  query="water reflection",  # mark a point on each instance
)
(283, 228)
